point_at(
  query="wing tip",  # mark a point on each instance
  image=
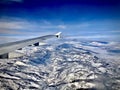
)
(58, 35)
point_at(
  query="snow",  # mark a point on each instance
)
(66, 68)
(20, 63)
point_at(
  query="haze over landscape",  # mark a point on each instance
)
(86, 57)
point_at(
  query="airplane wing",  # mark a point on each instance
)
(9, 47)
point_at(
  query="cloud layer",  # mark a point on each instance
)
(23, 28)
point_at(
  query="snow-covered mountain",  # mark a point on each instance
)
(64, 65)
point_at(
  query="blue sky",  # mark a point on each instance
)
(21, 19)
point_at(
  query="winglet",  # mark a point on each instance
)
(58, 35)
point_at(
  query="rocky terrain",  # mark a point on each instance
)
(64, 65)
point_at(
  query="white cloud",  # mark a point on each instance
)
(10, 25)
(4, 31)
(115, 31)
(84, 25)
(93, 36)
(46, 22)
(62, 26)
(15, 23)
(49, 25)
(14, 26)
(4, 39)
